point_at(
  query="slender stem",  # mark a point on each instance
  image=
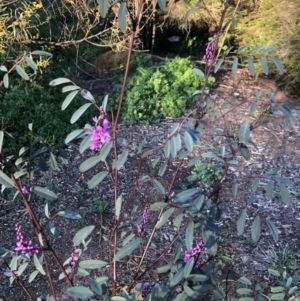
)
(19, 281)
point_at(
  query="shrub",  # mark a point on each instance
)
(161, 91)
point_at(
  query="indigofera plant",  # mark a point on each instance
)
(195, 212)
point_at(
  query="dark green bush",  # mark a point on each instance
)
(158, 92)
(26, 103)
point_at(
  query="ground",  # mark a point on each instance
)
(71, 187)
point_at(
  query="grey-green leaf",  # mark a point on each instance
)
(251, 66)
(256, 229)
(73, 135)
(162, 4)
(68, 100)
(185, 195)
(254, 185)
(31, 63)
(103, 7)
(69, 214)
(45, 193)
(198, 72)
(158, 186)
(188, 140)
(189, 236)
(118, 206)
(59, 81)
(188, 267)
(273, 229)
(38, 264)
(122, 16)
(53, 229)
(285, 195)
(122, 159)
(162, 169)
(92, 264)
(164, 218)
(33, 275)
(234, 66)
(244, 133)
(5, 180)
(218, 64)
(269, 190)
(278, 64)
(22, 72)
(89, 163)
(79, 112)
(157, 206)
(241, 222)
(96, 179)
(80, 292)
(82, 234)
(128, 249)
(264, 65)
(105, 150)
(96, 287)
(6, 80)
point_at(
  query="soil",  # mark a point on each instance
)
(73, 194)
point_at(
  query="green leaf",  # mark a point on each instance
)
(197, 277)
(85, 144)
(173, 147)
(246, 299)
(174, 128)
(80, 292)
(69, 214)
(244, 291)
(285, 195)
(105, 150)
(117, 298)
(162, 169)
(167, 149)
(38, 264)
(70, 88)
(6, 80)
(96, 287)
(122, 16)
(257, 49)
(118, 206)
(158, 186)
(177, 277)
(198, 72)
(1, 140)
(274, 272)
(164, 268)
(104, 103)
(188, 140)
(278, 64)
(103, 7)
(269, 190)
(122, 159)
(101, 280)
(74, 135)
(189, 236)
(279, 296)
(242, 49)
(87, 95)
(82, 234)
(286, 111)
(53, 161)
(22, 72)
(128, 249)
(244, 133)
(89, 163)
(244, 280)
(162, 4)
(33, 275)
(178, 220)
(256, 229)
(31, 63)
(273, 229)
(251, 66)
(164, 218)
(92, 264)
(22, 268)
(185, 195)
(234, 66)
(218, 64)
(245, 152)
(241, 222)
(157, 206)
(96, 179)
(68, 99)
(53, 230)
(277, 289)
(188, 267)
(264, 65)
(45, 193)
(3, 68)
(234, 189)
(41, 52)
(254, 185)
(59, 81)
(186, 18)
(79, 112)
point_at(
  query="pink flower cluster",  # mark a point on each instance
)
(26, 191)
(25, 246)
(99, 134)
(195, 251)
(74, 258)
(143, 226)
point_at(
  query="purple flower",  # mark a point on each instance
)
(194, 251)
(74, 258)
(148, 286)
(25, 246)
(96, 119)
(210, 49)
(99, 135)
(25, 190)
(143, 226)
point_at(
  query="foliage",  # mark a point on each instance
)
(276, 24)
(160, 92)
(192, 271)
(98, 206)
